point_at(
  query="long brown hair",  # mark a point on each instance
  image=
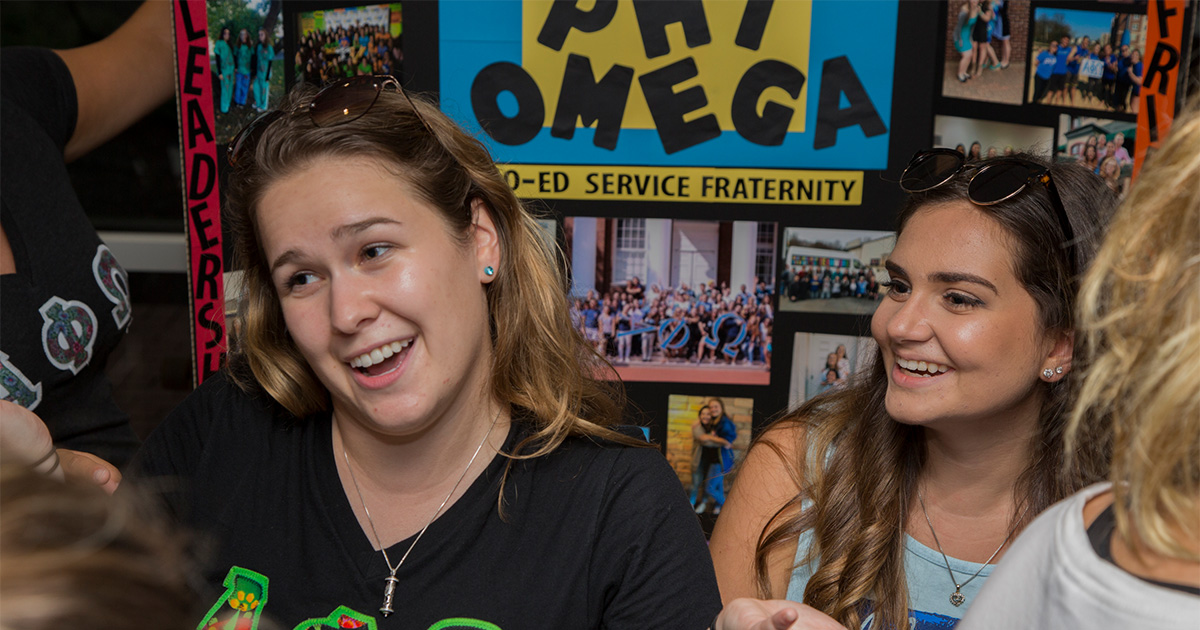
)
(861, 467)
(542, 368)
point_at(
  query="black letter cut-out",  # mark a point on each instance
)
(197, 126)
(196, 55)
(754, 23)
(653, 16)
(207, 320)
(206, 278)
(565, 15)
(190, 29)
(837, 77)
(202, 177)
(1163, 14)
(503, 76)
(668, 108)
(601, 102)
(1160, 65)
(770, 128)
(200, 225)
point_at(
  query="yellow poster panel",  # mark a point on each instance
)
(720, 60)
(699, 184)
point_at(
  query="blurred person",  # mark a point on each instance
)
(243, 54)
(224, 68)
(75, 557)
(1126, 553)
(264, 54)
(1045, 61)
(65, 297)
(968, 13)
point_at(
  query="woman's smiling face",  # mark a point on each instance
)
(960, 335)
(387, 306)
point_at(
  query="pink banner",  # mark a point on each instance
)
(202, 196)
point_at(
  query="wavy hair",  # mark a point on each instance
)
(861, 491)
(1140, 316)
(542, 368)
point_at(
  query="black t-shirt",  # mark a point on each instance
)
(594, 535)
(67, 306)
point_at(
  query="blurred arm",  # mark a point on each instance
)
(122, 77)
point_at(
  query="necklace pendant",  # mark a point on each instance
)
(957, 598)
(389, 592)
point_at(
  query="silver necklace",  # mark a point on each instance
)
(957, 598)
(390, 582)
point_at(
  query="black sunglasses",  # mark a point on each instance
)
(336, 104)
(996, 181)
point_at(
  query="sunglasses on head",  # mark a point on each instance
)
(336, 104)
(995, 181)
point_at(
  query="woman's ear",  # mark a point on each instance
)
(1058, 362)
(485, 238)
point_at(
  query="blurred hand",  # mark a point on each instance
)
(25, 440)
(80, 467)
(773, 614)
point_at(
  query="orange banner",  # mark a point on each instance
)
(1160, 78)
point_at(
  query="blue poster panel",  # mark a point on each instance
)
(688, 83)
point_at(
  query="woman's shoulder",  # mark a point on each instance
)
(784, 442)
(601, 476)
(221, 410)
(608, 451)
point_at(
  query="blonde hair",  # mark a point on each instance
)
(75, 557)
(541, 366)
(1140, 311)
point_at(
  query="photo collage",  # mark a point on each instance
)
(1065, 82)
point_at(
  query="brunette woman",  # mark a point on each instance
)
(890, 499)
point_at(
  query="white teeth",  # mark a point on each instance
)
(378, 355)
(927, 367)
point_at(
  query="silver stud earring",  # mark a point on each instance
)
(489, 271)
(1047, 373)
(1058, 370)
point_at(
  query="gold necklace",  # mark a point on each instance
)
(390, 582)
(957, 598)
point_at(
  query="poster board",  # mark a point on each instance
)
(709, 131)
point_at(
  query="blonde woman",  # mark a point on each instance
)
(411, 425)
(890, 499)
(1126, 553)
(1110, 171)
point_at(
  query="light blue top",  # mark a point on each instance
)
(929, 585)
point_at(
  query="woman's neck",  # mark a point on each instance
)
(1135, 556)
(428, 461)
(976, 467)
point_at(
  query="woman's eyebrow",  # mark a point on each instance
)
(351, 229)
(945, 277)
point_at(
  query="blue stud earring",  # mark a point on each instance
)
(488, 271)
